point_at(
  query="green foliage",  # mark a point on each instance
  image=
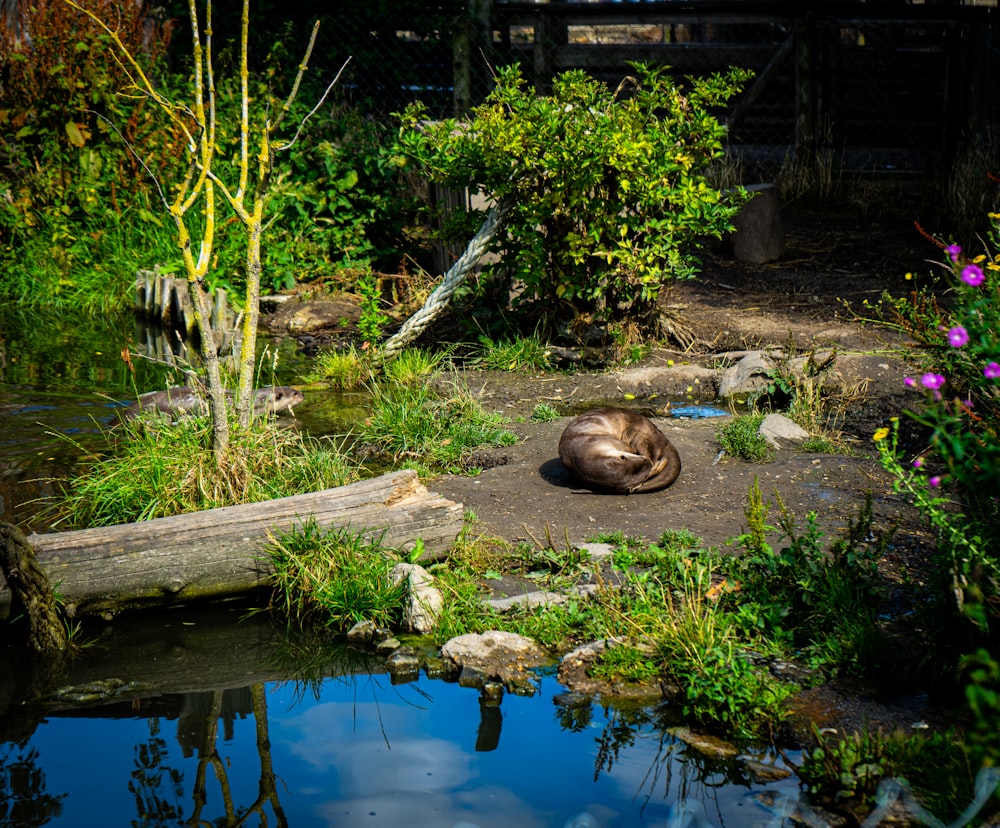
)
(608, 190)
(414, 423)
(740, 437)
(342, 370)
(544, 413)
(373, 318)
(821, 601)
(518, 354)
(851, 768)
(338, 202)
(981, 670)
(155, 469)
(960, 353)
(335, 578)
(700, 653)
(65, 236)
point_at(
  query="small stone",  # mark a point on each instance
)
(387, 645)
(361, 634)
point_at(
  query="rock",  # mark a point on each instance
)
(708, 745)
(748, 376)
(423, 601)
(574, 674)
(598, 552)
(496, 655)
(403, 666)
(541, 598)
(781, 432)
(529, 600)
(306, 317)
(762, 773)
(362, 634)
(387, 645)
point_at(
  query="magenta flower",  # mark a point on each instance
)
(958, 336)
(932, 381)
(954, 251)
(918, 462)
(909, 382)
(991, 371)
(934, 482)
(972, 274)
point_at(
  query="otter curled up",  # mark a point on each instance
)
(617, 450)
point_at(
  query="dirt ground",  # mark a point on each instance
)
(819, 295)
(814, 297)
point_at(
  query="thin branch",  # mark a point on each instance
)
(313, 110)
(131, 149)
(298, 80)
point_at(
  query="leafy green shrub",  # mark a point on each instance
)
(607, 190)
(740, 437)
(63, 126)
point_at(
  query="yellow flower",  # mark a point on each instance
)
(880, 435)
(908, 276)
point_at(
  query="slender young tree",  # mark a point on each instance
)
(194, 201)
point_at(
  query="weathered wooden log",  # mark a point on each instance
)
(219, 553)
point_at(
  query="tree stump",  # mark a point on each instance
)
(31, 592)
(760, 234)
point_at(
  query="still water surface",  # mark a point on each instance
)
(360, 751)
(343, 750)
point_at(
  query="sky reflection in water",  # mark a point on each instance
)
(362, 752)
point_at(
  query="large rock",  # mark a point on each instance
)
(759, 234)
(750, 375)
(781, 432)
(495, 655)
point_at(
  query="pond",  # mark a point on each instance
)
(208, 716)
(349, 747)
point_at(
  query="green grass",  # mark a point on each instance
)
(155, 469)
(740, 438)
(416, 426)
(334, 578)
(518, 354)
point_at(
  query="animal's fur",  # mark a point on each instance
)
(617, 450)
(186, 400)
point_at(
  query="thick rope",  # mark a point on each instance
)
(441, 297)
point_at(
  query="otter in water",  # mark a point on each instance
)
(617, 450)
(271, 399)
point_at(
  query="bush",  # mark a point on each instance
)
(608, 190)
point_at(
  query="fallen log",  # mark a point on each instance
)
(219, 553)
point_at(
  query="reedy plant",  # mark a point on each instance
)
(334, 578)
(155, 468)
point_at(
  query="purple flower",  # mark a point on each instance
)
(972, 274)
(992, 370)
(932, 381)
(909, 382)
(918, 462)
(958, 336)
(934, 482)
(954, 251)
